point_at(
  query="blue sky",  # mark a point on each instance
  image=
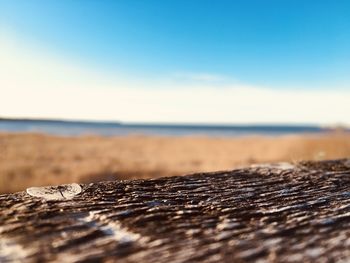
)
(294, 45)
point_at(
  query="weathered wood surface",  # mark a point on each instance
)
(268, 214)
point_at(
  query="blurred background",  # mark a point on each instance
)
(105, 90)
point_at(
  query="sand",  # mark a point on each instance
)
(37, 159)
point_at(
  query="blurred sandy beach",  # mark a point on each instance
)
(28, 159)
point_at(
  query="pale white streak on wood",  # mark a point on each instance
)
(11, 251)
(112, 229)
(280, 166)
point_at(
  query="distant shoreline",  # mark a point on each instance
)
(157, 124)
(108, 128)
(64, 121)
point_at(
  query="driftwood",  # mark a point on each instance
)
(272, 213)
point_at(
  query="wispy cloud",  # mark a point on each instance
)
(34, 84)
(199, 76)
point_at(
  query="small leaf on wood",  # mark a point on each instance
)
(61, 192)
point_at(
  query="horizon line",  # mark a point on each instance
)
(190, 124)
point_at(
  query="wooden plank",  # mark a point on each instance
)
(267, 213)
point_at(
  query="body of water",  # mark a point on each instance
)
(75, 128)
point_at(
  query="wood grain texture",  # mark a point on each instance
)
(271, 213)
